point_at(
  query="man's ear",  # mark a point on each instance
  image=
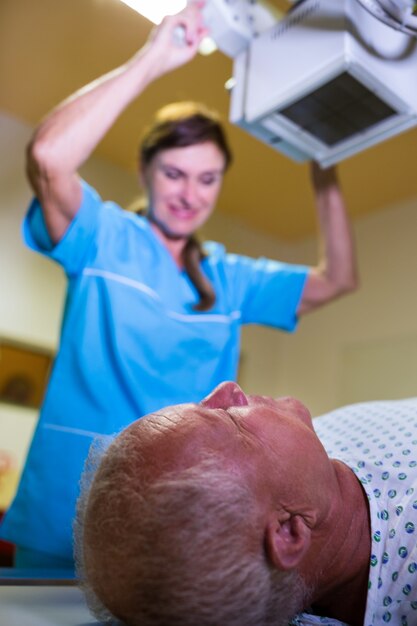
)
(287, 542)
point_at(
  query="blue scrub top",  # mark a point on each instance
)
(130, 344)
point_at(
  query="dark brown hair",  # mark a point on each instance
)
(179, 125)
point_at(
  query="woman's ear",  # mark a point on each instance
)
(287, 542)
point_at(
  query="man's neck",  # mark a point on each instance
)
(341, 572)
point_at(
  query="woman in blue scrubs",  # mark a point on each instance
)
(151, 317)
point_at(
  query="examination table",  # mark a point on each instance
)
(29, 599)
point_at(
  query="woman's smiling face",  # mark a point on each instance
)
(183, 185)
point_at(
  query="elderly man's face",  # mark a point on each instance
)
(270, 441)
(280, 429)
(257, 433)
(259, 418)
(230, 396)
(231, 420)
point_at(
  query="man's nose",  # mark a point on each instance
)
(224, 396)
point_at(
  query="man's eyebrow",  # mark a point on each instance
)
(237, 421)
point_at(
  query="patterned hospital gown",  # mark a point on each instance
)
(378, 441)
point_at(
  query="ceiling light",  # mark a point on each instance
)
(156, 11)
(207, 46)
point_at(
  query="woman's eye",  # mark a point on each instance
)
(172, 174)
(209, 179)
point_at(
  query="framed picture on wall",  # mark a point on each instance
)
(17, 424)
(24, 373)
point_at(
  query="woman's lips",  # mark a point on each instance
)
(182, 212)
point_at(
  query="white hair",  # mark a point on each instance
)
(184, 549)
(96, 453)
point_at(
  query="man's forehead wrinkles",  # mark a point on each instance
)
(163, 421)
(202, 426)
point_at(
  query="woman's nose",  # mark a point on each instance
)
(189, 193)
(224, 396)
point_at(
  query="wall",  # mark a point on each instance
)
(364, 345)
(16, 428)
(361, 347)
